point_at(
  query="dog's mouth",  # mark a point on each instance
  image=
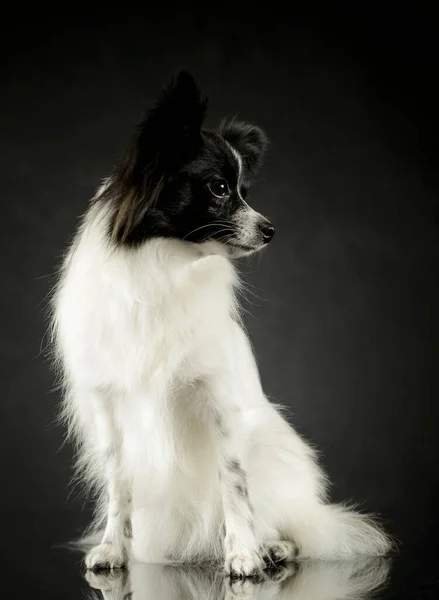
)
(245, 236)
(238, 249)
(242, 246)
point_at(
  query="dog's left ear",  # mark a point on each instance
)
(173, 126)
(167, 138)
(169, 134)
(250, 141)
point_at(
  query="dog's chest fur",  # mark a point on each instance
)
(131, 319)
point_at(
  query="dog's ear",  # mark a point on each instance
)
(250, 141)
(164, 142)
(170, 132)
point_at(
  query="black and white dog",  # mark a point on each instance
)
(190, 459)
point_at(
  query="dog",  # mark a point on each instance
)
(189, 460)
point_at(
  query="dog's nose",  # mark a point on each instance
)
(267, 230)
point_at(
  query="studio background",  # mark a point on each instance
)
(343, 309)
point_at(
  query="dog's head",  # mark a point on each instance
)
(180, 180)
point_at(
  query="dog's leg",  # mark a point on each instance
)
(242, 557)
(242, 552)
(112, 553)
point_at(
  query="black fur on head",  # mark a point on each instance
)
(179, 180)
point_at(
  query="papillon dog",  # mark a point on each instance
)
(189, 460)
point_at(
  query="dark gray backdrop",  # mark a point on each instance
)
(344, 317)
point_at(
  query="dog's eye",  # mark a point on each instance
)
(219, 188)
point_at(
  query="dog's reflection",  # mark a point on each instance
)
(304, 581)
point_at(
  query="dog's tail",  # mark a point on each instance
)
(336, 531)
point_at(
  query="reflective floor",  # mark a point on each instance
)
(309, 580)
(36, 565)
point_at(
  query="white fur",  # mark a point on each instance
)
(155, 361)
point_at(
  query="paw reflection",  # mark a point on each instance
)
(112, 585)
(294, 581)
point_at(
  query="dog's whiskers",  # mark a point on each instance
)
(213, 224)
(218, 239)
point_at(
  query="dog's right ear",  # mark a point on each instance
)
(170, 132)
(250, 141)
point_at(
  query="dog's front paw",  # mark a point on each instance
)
(244, 564)
(106, 557)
